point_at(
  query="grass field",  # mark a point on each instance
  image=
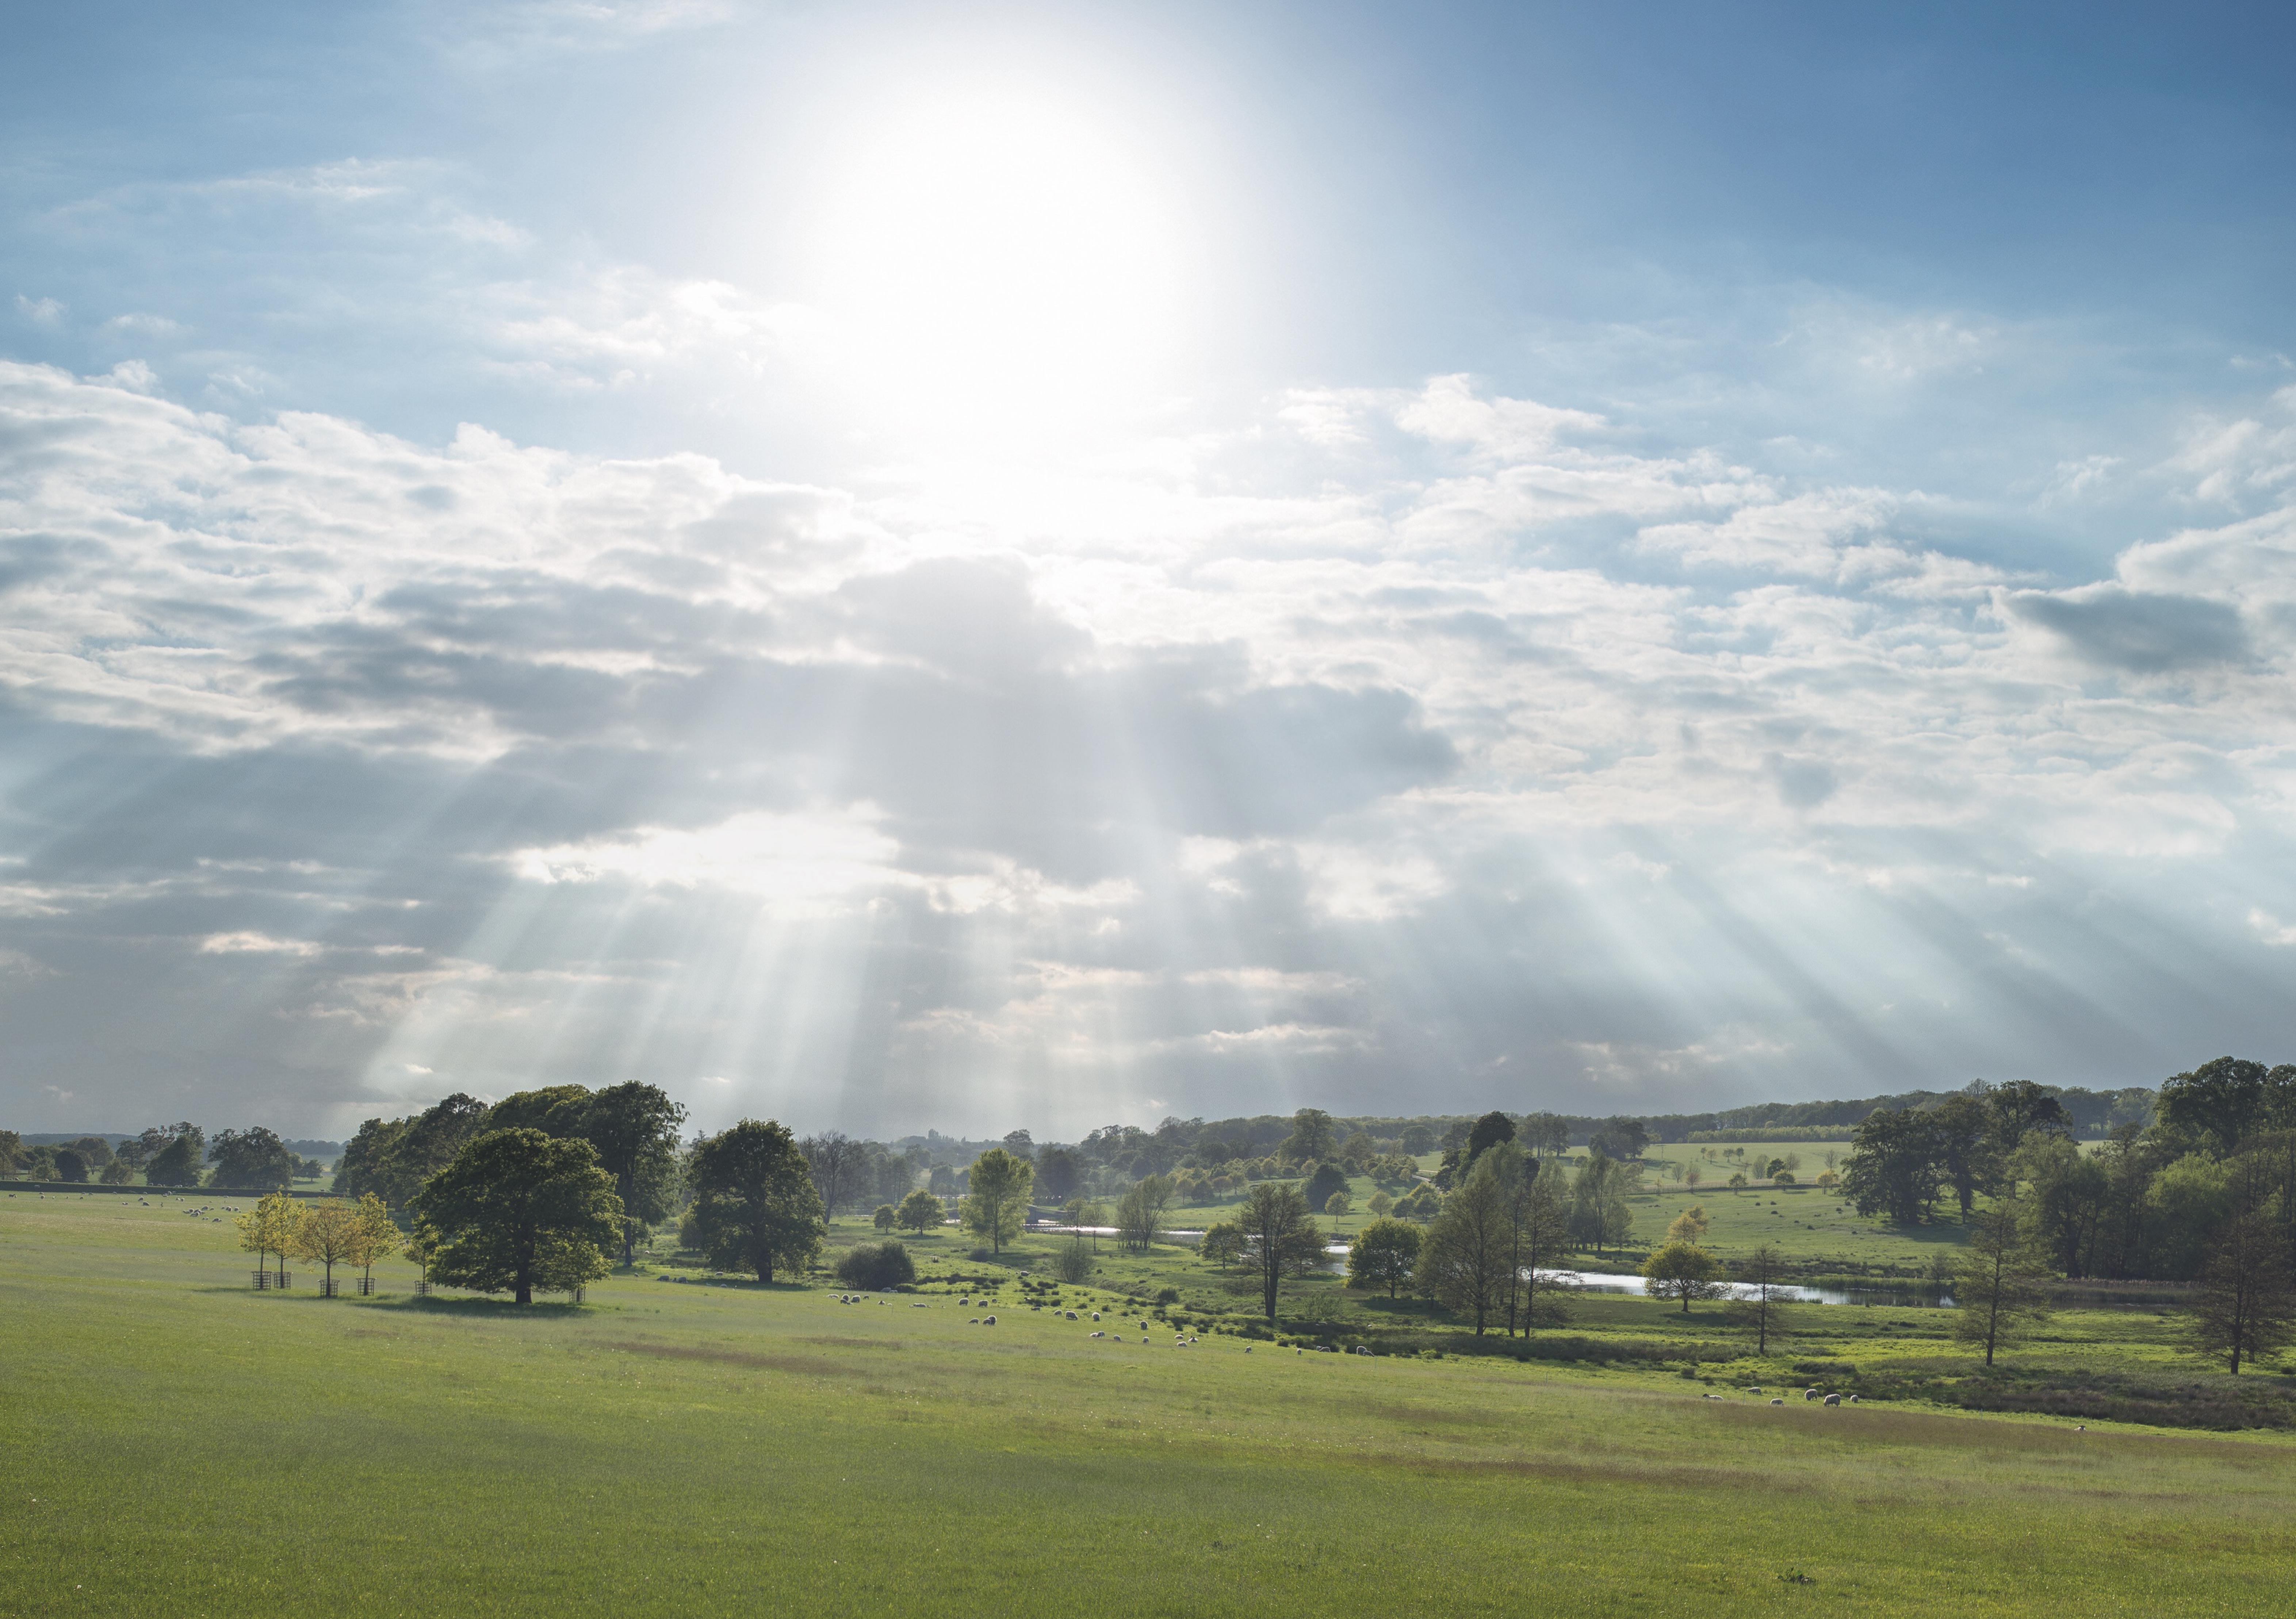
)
(178, 1443)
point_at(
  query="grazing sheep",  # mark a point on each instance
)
(1777, 1402)
(1755, 1390)
(1853, 1399)
(1834, 1399)
(1096, 1315)
(1809, 1393)
(989, 1321)
(972, 1321)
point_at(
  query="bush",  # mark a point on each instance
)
(1072, 1263)
(1167, 1296)
(876, 1267)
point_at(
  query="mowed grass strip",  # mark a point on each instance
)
(178, 1442)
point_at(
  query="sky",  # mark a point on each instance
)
(980, 567)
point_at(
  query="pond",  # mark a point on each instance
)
(1903, 1298)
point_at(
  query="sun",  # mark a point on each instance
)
(998, 259)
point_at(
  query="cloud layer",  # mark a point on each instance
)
(1398, 748)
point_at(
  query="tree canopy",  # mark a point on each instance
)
(1385, 1254)
(755, 1205)
(518, 1209)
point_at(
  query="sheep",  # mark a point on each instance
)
(989, 1321)
(1809, 1393)
(1777, 1402)
(1834, 1399)
(1853, 1399)
(1096, 1315)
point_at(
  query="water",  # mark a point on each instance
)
(1903, 1298)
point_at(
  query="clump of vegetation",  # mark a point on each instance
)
(876, 1267)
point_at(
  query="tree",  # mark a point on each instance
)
(11, 1150)
(1020, 1144)
(1140, 1213)
(1620, 1138)
(1894, 1167)
(1760, 1273)
(117, 1174)
(1385, 1255)
(2219, 1104)
(633, 1126)
(886, 1217)
(756, 1207)
(919, 1212)
(1997, 1284)
(177, 1163)
(1338, 1203)
(1545, 1135)
(1058, 1173)
(836, 1160)
(329, 1233)
(1322, 1180)
(876, 1267)
(94, 1151)
(996, 1205)
(2244, 1308)
(1313, 1136)
(1280, 1236)
(393, 1158)
(1683, 1271)
(1961, 1135)
(71, 1167)
(1599, 1214)
(1688, 1226)
(1223, 1244)
(518, 1209)
(1539, 1229)
(144, 1148)
(2019, 1109)
(377, 1237)
(1467, 1261)
(269, 1228)
(1488, 1132)
(250, 1157)
(1381, 1206)
(554, 1111)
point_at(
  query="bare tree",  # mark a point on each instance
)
(837, 1162)
(1760, 1307)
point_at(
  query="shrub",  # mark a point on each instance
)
(1167, 1296)
(876, 1267)
(1072, 1263)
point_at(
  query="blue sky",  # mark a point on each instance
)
(991, 565)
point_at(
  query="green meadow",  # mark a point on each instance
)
(176, 1442)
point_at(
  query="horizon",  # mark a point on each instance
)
(997, 563)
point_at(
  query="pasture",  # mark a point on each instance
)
(177, 1442)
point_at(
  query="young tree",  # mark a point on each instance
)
(1338, 1203)
(1385, 1255)
(2244, 1308)
(330, 1233)
(518, 1209)
(920, 1212)
(886, 1217)
(633, 1126)
(1761, 1274)
(1684, 1271)
(996, 1205)
(269, 1228)
(377, 1238)
(1688, 1226)
(1997, 1282)
(1281, 1239)
(756, 1207)
(1223, 1244)
(1468, 1259)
